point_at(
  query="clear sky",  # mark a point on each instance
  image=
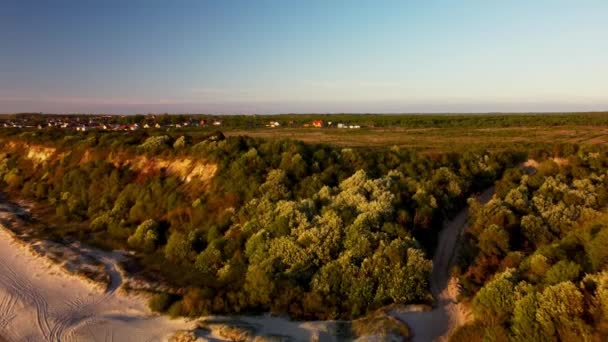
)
(279, 56)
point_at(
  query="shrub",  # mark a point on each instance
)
(494, 302)
(145, 237)
(160, 302)
(156, 143)
(182, 142)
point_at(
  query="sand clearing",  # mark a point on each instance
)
(41, 302)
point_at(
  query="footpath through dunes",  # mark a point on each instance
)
(448, 314)
(39, 301)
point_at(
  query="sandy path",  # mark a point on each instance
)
(41, 302)
(434, 325)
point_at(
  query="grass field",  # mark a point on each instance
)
(438, 139)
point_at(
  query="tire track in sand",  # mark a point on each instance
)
(83, 311)
(24, 290)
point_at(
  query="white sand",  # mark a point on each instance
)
(41, 302)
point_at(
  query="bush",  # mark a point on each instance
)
(145, 237)
(494, 302)
(156, 143)
(471, 332)
(175, 310)
(182, 142)
(381, 325)
(160, 302)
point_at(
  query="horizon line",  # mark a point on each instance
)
(605, 111)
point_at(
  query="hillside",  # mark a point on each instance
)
(300, 221)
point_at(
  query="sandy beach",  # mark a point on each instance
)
(39, 301)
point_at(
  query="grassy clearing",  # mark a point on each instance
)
(438, 139)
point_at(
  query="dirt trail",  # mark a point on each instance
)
(436, 324)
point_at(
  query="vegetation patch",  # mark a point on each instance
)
(312, 231)
(533, 265)
(380, 327)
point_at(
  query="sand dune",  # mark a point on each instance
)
(41, 302)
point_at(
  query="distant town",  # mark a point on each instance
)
(338, 121)
(80, 122)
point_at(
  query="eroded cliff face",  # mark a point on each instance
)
(187, 168)
(36, 153)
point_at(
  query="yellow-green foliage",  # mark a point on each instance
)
(305, 229)
(556, 222)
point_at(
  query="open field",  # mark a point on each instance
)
(438, 139)
(429, 133)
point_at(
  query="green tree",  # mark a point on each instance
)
(494, 241)
(177, 248)
(145, 237)
(562, 271)
(560, 313)
(494, 302)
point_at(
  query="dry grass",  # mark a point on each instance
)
(380, 325)
(438, 139)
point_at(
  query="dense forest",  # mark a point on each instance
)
(250, 225)
(534, 265)
(245, 225)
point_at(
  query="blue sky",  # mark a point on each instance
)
(278, 56)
